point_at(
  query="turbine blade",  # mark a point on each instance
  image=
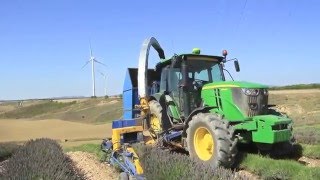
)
(102, 74)
(99, 62)
(90, 48)
(85, 64)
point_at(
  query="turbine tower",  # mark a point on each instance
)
(105, 83)
(93, 60)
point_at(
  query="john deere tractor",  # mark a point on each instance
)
(187, 103)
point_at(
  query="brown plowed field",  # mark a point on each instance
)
(22, 130)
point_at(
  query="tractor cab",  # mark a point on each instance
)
(183, 76)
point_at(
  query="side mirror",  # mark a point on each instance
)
(236, 65)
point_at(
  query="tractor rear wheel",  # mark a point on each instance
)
(155, 123)
(211, 140)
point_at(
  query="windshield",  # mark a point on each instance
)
(207, 71)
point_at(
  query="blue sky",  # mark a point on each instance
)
(44, 44)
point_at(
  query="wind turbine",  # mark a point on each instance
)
(105, 83)
(93, 60)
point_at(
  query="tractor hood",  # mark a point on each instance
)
(233, 84)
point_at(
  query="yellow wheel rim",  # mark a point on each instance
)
(203, 143)
(155, 123)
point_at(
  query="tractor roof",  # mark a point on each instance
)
(200, 57)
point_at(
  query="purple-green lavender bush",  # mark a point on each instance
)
(160, 164)
(40, 159)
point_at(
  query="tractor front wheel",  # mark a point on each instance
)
(211, 140)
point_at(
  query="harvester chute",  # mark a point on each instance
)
(143, 65)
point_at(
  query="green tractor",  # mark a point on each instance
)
(189, 104)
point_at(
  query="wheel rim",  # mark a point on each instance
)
(203, 143)
(155, 123)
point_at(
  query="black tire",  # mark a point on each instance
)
(225, 143)
(123, 176)
(156, 110)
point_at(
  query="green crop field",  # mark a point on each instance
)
(82, 110)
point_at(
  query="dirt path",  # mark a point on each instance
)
(309, 162)
(247, 174)
(94, 170)
(91, 167)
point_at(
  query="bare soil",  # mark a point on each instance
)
(91, 167)
(70, 100)
(247, 174)
(23, 130)
(295, 91)
(309, 162)
(107, 102)
(303, 106)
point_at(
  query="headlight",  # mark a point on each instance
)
(250, 92)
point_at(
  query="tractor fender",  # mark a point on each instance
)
(165, 117)
(153, 98)
(194, 112)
